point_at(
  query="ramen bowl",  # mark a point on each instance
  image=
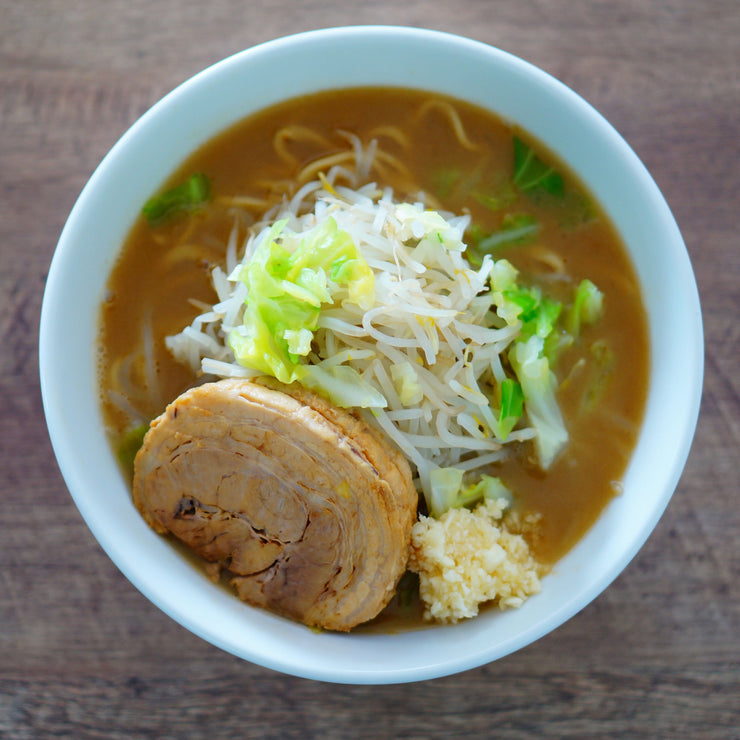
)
(340, 58)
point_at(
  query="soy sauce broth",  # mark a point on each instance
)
(161, 270)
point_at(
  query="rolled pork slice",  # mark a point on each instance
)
(306, 508)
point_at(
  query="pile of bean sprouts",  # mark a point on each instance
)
(432, 343)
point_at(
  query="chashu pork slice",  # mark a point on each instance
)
(306, 508)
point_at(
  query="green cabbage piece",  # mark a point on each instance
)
(528, 357)
(512, 407)
(194, 192)
(588, 306)
(343, 386)
(448, 490)
(538, 383)
(532, 174)
(289, 278)
(538, 315)
(406, 383)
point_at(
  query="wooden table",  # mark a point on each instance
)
(83, 654)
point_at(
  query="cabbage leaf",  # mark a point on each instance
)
(449, 491)
(194, 192)
(532, 174)
(289, 278)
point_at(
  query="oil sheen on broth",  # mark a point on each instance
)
(154, 283)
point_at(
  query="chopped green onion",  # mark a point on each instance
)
(194, 192)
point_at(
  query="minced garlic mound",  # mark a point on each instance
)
(466, 558)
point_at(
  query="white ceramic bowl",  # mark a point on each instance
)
(345, 57)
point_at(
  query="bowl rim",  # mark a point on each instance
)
(59, 404)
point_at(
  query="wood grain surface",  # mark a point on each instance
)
(84, 655)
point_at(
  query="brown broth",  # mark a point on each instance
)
(149, 280)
